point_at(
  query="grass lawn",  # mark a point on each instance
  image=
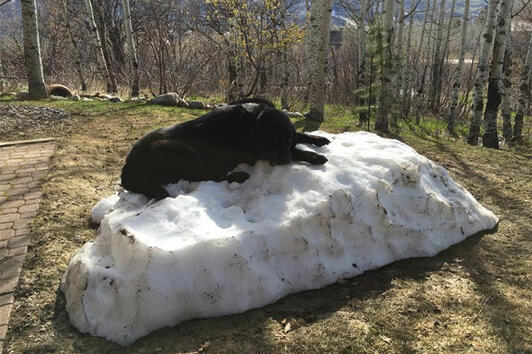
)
(475, 296)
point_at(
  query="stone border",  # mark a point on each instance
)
(23, 142)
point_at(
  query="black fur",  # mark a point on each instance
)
(211, 146)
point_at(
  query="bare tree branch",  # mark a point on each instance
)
(518, 12)
(5, 2)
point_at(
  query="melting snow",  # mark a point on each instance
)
(218, 248)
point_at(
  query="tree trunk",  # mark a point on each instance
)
(421, 80)
(490, 138)
(437, 65)
(524, 96)
(285, 74)
(362, 39)
(458, 74)
(98, 44)
(399, 78)
(506, 86)
(111, 87)
(318, 47)
(231, 95)
(406, 73)
(75, 45)
(32, 50)
(448, 35)
(480, 80)
(381, 121)
(132, 48)
(2, 83)
(445, 53)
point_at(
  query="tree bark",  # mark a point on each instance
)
(111, 87)
(458, 73)
(2, 83)
(318, 47)
(32, 50)
(132, 48)
(285, 74)
(406, 73)
(506, 86)
(399, 77)
(448, 35)
(480, 80)
(420, 53)
(445, 53)
(490, 138)
(524, 96)
(98, 44)
(75, 46)
(362, 39)
(383, 110)
(437, 65)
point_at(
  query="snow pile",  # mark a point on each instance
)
(219, 248)
(103, 207)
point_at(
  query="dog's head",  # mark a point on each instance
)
(273, 136)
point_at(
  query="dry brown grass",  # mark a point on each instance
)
(475, 296)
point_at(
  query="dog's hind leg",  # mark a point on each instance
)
(303, 138)
(308, 156)
(238, 177)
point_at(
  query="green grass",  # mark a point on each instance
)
(474, 297)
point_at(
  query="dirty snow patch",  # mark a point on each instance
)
(218, 248)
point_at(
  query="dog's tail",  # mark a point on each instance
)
(257, 100)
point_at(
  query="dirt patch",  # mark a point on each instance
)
(475, 296)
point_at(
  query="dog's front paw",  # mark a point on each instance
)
(317, 159)
(238, 177)
(158, 194)
(320, 141)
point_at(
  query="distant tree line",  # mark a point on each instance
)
(388, 60)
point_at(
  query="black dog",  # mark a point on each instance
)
(211, 146)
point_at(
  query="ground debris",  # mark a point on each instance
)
(204, 347)
(291, 324)
(14, 119)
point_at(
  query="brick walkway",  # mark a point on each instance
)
(21, 168)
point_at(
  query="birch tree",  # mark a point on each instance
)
(490, 137)
(132, 48)
(524, 96)
(445, 54)
(74, 45)
(458, 73)
(506, 86)
(406, 73)
(362, 38)
(2, 84)
(106, 46)
(399, 78)
(95, 37)
(285, 75)
(32, 50)
(385, 97)
(449, 27)
(437, 65)
(318, 47)
(421, 80)
(480, 80)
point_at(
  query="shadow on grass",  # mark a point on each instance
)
(499, 313)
